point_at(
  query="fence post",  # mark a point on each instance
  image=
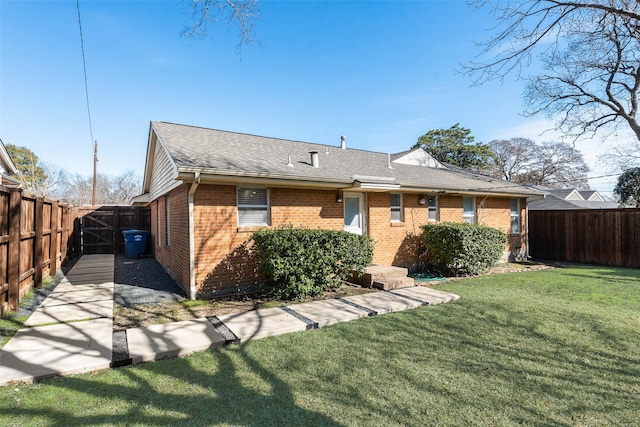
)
(65, 235)
(53, 248)
(77, 236)
(116, 230)
(13, 267)
(37, 241)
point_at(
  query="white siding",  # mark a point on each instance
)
(163, 174)
(419, 158)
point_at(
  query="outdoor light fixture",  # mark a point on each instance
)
(421, 199)
(338, 198)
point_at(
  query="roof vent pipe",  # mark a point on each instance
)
(343, 142)
(315, 160)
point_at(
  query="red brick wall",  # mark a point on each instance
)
(397, 243)
(224, 256)
(225, 259)
(175, 256)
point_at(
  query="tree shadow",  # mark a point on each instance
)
(218, 398)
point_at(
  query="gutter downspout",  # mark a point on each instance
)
(530, 199)
(192, 245)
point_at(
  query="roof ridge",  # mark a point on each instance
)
(271, 137)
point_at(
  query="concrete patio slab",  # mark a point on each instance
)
(328, 312)
(262, 323)
(88, 278)
(63, 349)
(70, 312)
(171, 340)
(68, 287)
(383, 302)
(75, 296)
(432, 296)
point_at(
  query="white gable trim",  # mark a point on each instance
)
(418, 157)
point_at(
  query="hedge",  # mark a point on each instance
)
(300, 262)
(461, 248)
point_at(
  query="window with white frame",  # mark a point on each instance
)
(515, 216)
(469, 209)
(396, 207)
(253, 206)
(432, 203)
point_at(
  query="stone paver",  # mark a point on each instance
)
(62, 349)
(432, 296)
(383, 302)
(328, 312)
(262, 323)
(171, 340)
(85, 345)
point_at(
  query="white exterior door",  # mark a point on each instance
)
(354, 218)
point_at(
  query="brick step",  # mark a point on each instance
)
(375, 273)
(393, 283)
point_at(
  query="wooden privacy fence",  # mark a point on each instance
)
(98, 229)
(34, 236)
(603, 236)
(37, 236)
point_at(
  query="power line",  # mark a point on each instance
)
(84, 66)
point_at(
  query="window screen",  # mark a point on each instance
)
(396, 207)
(515, 216)
(253, 206)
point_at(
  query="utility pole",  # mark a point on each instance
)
(95, 172)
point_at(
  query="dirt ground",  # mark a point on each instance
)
(139, 315)
(151, 314)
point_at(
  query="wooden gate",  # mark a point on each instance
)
(99, 228)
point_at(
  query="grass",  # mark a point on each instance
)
(10, 322)
(545, 348)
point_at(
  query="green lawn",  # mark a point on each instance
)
(548, 348)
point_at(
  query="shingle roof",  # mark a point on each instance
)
(554, 202)
(229, 153)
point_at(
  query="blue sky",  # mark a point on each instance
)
(382, 73)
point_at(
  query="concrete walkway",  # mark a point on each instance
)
(87, 342)
(84, 301)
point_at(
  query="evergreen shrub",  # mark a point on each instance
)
(299, 262)
(460, 249)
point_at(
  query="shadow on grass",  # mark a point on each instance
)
(218, 398)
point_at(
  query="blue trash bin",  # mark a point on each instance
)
(135, 243)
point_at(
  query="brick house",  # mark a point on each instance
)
(208, 190)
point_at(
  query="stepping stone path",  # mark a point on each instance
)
(83, 340)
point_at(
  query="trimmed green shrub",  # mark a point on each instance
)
(462, 249)
(300, 262)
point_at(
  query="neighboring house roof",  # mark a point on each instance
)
(7, 167)
(177, 153)
(554, 202)
(592, 195)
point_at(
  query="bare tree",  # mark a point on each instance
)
(110, 190)
(556, 165)
(590, 51)
(511, 156)
(240, 14)
(54, 182)
(550, 164)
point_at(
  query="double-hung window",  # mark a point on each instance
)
(432, 203)
(396, 207)
(469, 209)
(515, 216)
(253, 206)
